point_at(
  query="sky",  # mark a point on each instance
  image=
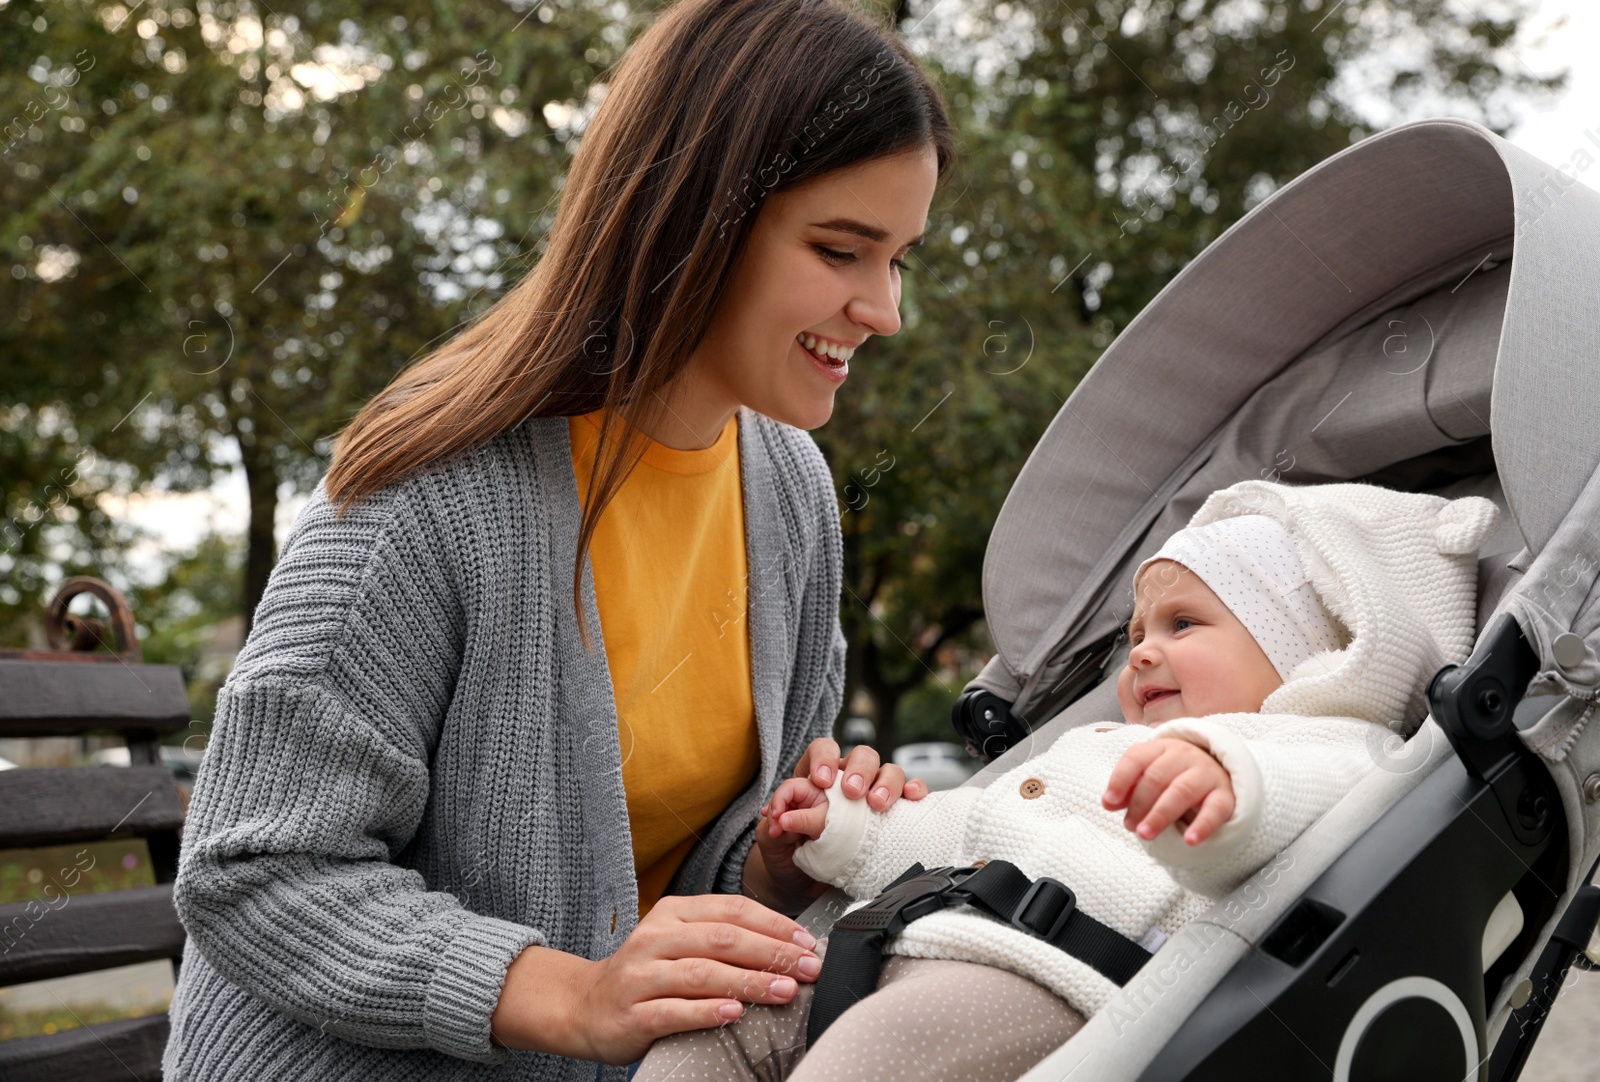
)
(1559, 34)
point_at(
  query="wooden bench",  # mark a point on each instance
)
(68, 691)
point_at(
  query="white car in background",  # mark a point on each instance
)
(939, 763)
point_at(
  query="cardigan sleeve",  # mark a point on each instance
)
(861, 850)
(316, 778)
(1286, 770)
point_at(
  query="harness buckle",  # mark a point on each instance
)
(914, 895)
(1052, 903)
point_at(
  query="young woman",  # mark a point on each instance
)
(482, 786)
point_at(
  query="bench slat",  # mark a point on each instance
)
(61, 804)
(52, 698)
(121, 1051)
(86, 932)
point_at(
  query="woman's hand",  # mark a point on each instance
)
(1168, 780)
(690, 964)
(864, 774)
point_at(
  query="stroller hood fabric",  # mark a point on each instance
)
(1398, 570)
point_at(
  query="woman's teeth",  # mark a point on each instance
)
(834, 354)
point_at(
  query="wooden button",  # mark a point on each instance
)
(1032, 789)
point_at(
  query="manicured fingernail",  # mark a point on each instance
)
(881, 792)
(804, 939)
(825, 773)
(809, 965)
(783, 987)
(730, 1010)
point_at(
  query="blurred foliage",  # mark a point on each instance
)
(191, 618)
(72, 870)
(227, 227)
(35, 1023)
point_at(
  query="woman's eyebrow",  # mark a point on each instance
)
(862, 229)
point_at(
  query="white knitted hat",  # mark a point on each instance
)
(1398, 570)
(1253, 566)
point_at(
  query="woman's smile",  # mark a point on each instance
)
(833, 369)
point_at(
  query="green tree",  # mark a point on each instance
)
(229, 227)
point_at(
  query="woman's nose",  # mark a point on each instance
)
(879, 307)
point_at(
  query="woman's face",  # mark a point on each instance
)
(786, 284)
(1191, 656)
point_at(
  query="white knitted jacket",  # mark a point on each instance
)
(1398, 570)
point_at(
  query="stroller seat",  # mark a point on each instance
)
(1420, 311)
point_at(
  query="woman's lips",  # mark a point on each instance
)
(835, 371)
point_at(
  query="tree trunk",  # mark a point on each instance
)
(260, 548)
(885, 700)
(885, 693)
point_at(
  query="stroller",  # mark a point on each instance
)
(1418, 312)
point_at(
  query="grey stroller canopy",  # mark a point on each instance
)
(1421, 311)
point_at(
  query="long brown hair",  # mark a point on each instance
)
(718, 103)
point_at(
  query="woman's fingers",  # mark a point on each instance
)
(886, 787)
(733, 909)
(663, 1017)
(819, 762)
(713, 945)
(719, 959)
(859, 769)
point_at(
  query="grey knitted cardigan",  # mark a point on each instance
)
(414, 771)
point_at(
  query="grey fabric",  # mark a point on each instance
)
(1286, 351)
(415, 773)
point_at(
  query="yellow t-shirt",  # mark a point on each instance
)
(669, 564)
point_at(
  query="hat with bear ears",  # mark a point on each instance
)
(1398, 571)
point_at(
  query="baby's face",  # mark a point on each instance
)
(1191, 656)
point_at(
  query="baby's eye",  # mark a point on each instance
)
(1181, 620)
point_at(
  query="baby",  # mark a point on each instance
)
(1273, 643)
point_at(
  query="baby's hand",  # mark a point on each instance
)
(1169, 780)
(797, 813)
(797, 808)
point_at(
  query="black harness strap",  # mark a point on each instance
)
(1044, 908)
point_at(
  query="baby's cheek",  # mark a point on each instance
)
(1125, 697)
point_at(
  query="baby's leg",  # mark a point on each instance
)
(935, 1019)
(762, 1044)
(930, 1019)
